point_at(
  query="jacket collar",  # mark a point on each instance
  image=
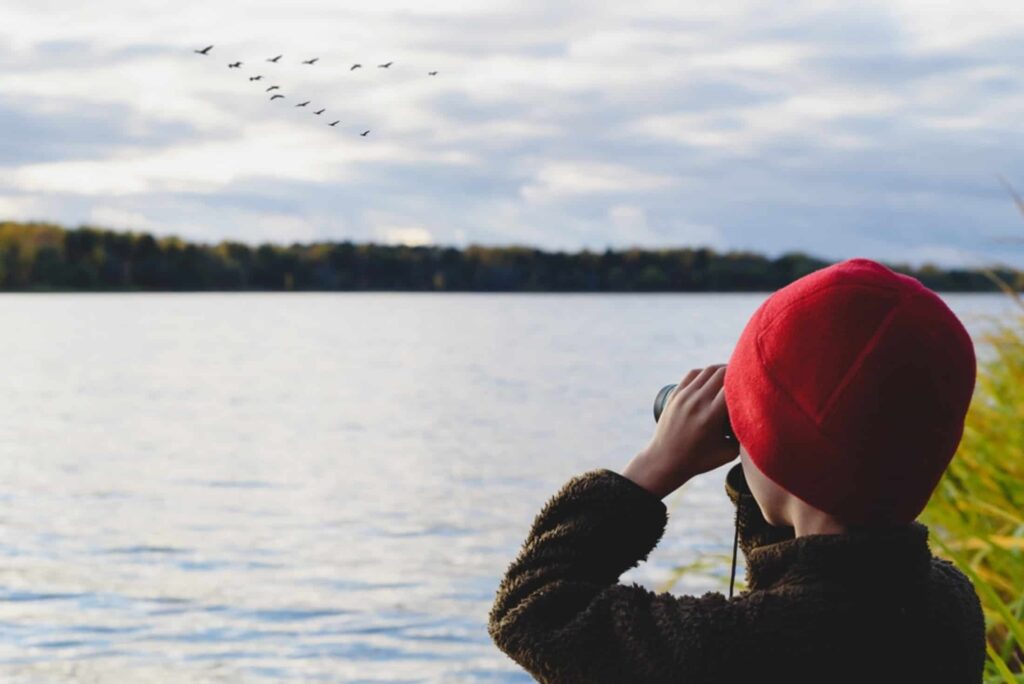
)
(889, 555)
(892, 555)
(753, 530)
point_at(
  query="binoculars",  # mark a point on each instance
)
(662, 398)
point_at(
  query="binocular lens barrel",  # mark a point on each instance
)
(662, 398)
(659, 401)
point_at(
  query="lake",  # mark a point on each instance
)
(320, 487)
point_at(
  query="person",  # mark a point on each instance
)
(847, 393)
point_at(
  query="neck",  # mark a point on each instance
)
(806, 521)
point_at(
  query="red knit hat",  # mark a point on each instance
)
(849, 388)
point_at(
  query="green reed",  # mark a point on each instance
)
(976, 514)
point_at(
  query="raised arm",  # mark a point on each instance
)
(562, 615)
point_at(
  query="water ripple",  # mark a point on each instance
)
(316, 488)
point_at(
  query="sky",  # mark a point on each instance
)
(839, 129)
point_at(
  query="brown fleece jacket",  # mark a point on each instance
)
(867, 606)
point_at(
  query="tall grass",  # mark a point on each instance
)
(976, 514)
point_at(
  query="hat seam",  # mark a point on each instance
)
(778, 385)
(817, 413)
(785, 393)
(859, 361)
(776, 315)
(948, 339)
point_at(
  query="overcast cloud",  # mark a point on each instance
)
(841, 129)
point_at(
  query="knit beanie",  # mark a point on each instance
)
(849, 388)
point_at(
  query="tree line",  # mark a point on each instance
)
(48, 257)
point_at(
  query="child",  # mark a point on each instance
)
(847, 392)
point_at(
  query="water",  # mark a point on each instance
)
(303, 487)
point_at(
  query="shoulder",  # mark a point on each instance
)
(954, 607)
(946, 579)
(945, 573)
(955, 619)
(756, 611)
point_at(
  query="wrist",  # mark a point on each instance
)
(645, 471)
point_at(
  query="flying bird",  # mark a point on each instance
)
(356, 66)
(432, 73)
(273, 88)
(318, 113)
(334, 123)
(255, 78)
(384, 66)
(274, 60)
(274, 97)
(234, 65)
(302, 104)
(365, 133)
(204, 51)
(311, 61)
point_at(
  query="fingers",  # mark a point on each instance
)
(681, 387)
(688, 378)
(720, 414)
(709, 376)
(717, 405)
(699, 382)
(698, 374)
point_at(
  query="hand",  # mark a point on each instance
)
(690, 436)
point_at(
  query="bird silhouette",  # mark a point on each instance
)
(274, 60)
(384, 66)
(274, 97)
(255, 78)
(311, 61)
(273, 88)
(302, 104)
(356, 66)
(235, 65)
(204, 51)
(318, 113)
(432, 73)
(365, 133)
(334, 123)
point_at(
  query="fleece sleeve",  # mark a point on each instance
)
(561, 614)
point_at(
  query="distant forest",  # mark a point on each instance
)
(46, 257)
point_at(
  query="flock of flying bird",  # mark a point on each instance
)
(277, 96)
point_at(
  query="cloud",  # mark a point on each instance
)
(394, 228)
(120, 219)
(823, 126)
(633, 228)
(62, 129)
(405, 235)
(21, 208)
(557, 179)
